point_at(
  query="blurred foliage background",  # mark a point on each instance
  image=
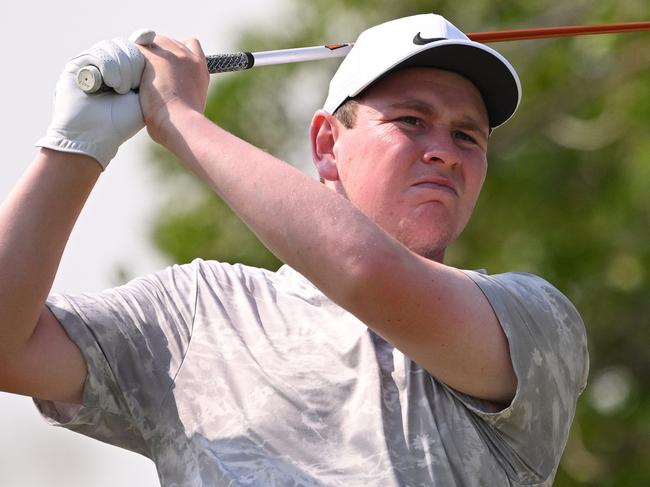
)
(567, 195)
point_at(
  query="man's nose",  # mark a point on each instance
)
(441, 150)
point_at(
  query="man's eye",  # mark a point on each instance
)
(410, 120)
(464, 136)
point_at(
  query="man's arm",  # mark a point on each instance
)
(36, 356)
(433, 313)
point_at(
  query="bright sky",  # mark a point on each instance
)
(38, 36)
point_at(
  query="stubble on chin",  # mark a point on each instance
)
(430, 244)
(434, 251)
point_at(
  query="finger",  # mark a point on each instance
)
(172, 45)
(164, 42)
(143, 37)
(116, 72)
(107, 56)
(131, 66)
(195, 46)
(123, 68)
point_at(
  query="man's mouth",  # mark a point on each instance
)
(438, 183)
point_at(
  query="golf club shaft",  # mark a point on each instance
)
(90, 81)
(565, 31)
(246, 60)
(221, 63)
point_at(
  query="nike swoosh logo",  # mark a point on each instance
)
(420, 41)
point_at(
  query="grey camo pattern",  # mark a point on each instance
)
(227, 375)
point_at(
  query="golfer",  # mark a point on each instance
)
(365, 360)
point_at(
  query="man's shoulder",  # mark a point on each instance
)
(514, 277)
(521, 297)
(520, 285)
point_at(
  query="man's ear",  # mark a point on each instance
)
(323, 132)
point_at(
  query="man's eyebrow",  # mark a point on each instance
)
(471, 125)
(416, 105)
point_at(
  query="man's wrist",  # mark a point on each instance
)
(168, 127)
(75, 161)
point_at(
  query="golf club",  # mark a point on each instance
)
(89, 78)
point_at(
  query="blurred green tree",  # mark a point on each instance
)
(567, 195)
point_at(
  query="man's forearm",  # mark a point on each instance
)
(36, 220)
(305, 224)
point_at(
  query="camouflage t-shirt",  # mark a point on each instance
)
(231, 375)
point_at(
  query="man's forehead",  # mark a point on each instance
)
(427, 89)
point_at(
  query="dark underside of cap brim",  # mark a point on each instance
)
(493, 79)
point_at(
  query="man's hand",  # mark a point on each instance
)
(175, 79)
(96, 125)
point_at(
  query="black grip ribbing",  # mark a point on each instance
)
(222, 63)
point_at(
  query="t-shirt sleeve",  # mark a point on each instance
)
(134, 339)
(548, 349)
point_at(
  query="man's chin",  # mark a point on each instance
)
(427, 237)
(432, 250)
(437, 255)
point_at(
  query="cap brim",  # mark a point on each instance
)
(494, 78)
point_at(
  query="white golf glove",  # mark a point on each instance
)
(97, 124)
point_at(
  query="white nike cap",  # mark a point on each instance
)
(427, 40)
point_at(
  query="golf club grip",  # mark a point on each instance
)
(223, 63)
(89, 78)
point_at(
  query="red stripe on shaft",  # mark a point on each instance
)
(546, 32)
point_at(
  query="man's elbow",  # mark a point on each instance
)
(372, 273)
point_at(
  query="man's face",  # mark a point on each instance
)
(415, 159)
